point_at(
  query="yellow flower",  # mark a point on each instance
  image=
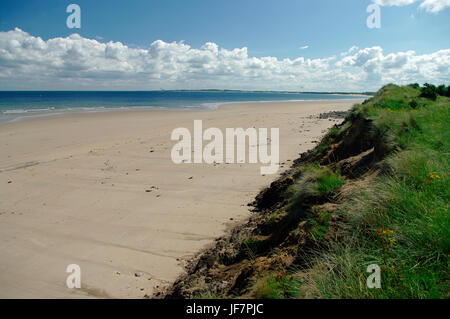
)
(386, 232)
(431, 176)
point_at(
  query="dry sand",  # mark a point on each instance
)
(73, 191)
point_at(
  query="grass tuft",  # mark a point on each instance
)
(277, 287)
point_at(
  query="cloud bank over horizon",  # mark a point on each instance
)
(77, 63)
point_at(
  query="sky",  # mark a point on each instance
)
(301, 45)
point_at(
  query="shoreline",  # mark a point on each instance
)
(99, 190)
(207, 106)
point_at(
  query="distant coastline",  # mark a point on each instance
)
(21, 105)
(209, 90)
(280, 92)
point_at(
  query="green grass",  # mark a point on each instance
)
(316, 180)
(319, 224)
(328, 182)
(280, 287)
(318, 231)
(400, 221)
(252, 245)
(327, 140)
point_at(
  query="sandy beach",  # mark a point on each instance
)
(100, 190)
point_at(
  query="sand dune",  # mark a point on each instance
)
(100, 190)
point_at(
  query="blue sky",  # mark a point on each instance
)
(267, 28)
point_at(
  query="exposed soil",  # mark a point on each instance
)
(267, 244)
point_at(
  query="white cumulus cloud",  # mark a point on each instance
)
(75, 62)
(433, 6)
(397, 3)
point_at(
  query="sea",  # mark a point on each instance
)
(22, 105)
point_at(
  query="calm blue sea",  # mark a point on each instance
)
(19, 105)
